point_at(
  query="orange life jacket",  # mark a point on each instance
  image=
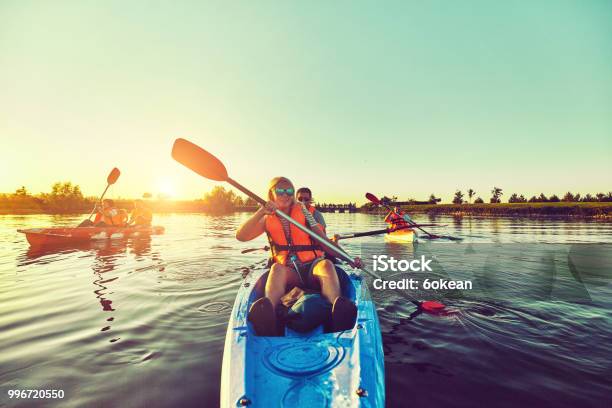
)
(112, 217)
(299, 243)
(395, 220)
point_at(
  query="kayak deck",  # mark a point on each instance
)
(313, 369)
(403, 235)
(59, 236)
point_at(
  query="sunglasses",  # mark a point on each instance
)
(287, 191)
(304, 199)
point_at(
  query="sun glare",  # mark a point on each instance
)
(166, 188)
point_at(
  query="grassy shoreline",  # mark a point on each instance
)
(568, 209)
(595, 210)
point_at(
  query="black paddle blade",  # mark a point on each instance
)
(372, 198)
(199, 160)
(113, 176)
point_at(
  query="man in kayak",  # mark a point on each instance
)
(397, 219)
(141, 214)
(304, 196)
(107, 215)
(297, 260)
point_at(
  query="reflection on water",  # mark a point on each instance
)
(141, 322)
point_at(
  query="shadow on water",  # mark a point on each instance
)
(107, 256)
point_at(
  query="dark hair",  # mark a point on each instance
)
(304, 190)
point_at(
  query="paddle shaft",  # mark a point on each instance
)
(341, 253)
(380, 231)
(101, 197)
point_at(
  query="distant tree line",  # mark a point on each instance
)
(222, 201)
(64, 197)
(497, 192)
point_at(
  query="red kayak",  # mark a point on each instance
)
(58, 236)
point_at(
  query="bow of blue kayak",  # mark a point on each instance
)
(301, 370)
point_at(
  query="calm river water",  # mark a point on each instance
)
(142, 322)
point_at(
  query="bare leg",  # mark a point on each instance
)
(279, 279)
(325, 272)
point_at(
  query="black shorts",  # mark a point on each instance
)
(305, 276)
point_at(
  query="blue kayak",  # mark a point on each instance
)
(315, 369)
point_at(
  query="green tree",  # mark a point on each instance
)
(220, 200)
(479, 201)
(514, 198)
(65, 197)
(249, 202)
(470, 193)
(495, 194)
(588, 198)
(458, 199)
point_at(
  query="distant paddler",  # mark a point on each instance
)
(397, 218)
(141, 214)
(399, 226)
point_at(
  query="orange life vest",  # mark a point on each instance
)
(395, 220)
(112, 217)
(299, 243)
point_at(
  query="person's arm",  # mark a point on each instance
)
(256, 225)
(319, 218)
(317, 228)
(388, 217)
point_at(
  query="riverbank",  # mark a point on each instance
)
(157, 206)
(568, 209)
(560, 209)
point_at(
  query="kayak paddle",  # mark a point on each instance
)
(208, 166)
(376, 201)
(110, 180)
(246, 251)
(383, 231)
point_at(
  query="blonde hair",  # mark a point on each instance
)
(274, 182)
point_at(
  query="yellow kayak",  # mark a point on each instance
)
(405, 235)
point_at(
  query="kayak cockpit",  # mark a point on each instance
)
(347, 288)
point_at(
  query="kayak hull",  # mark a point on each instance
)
(61, 236)
(313, 369)
(406, 235)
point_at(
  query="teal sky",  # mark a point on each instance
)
(401, 98)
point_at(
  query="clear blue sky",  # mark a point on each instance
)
(399, 98)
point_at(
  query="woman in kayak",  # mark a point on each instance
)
(107, 215)
(297, 260)
(395, 219)
(141, 215)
